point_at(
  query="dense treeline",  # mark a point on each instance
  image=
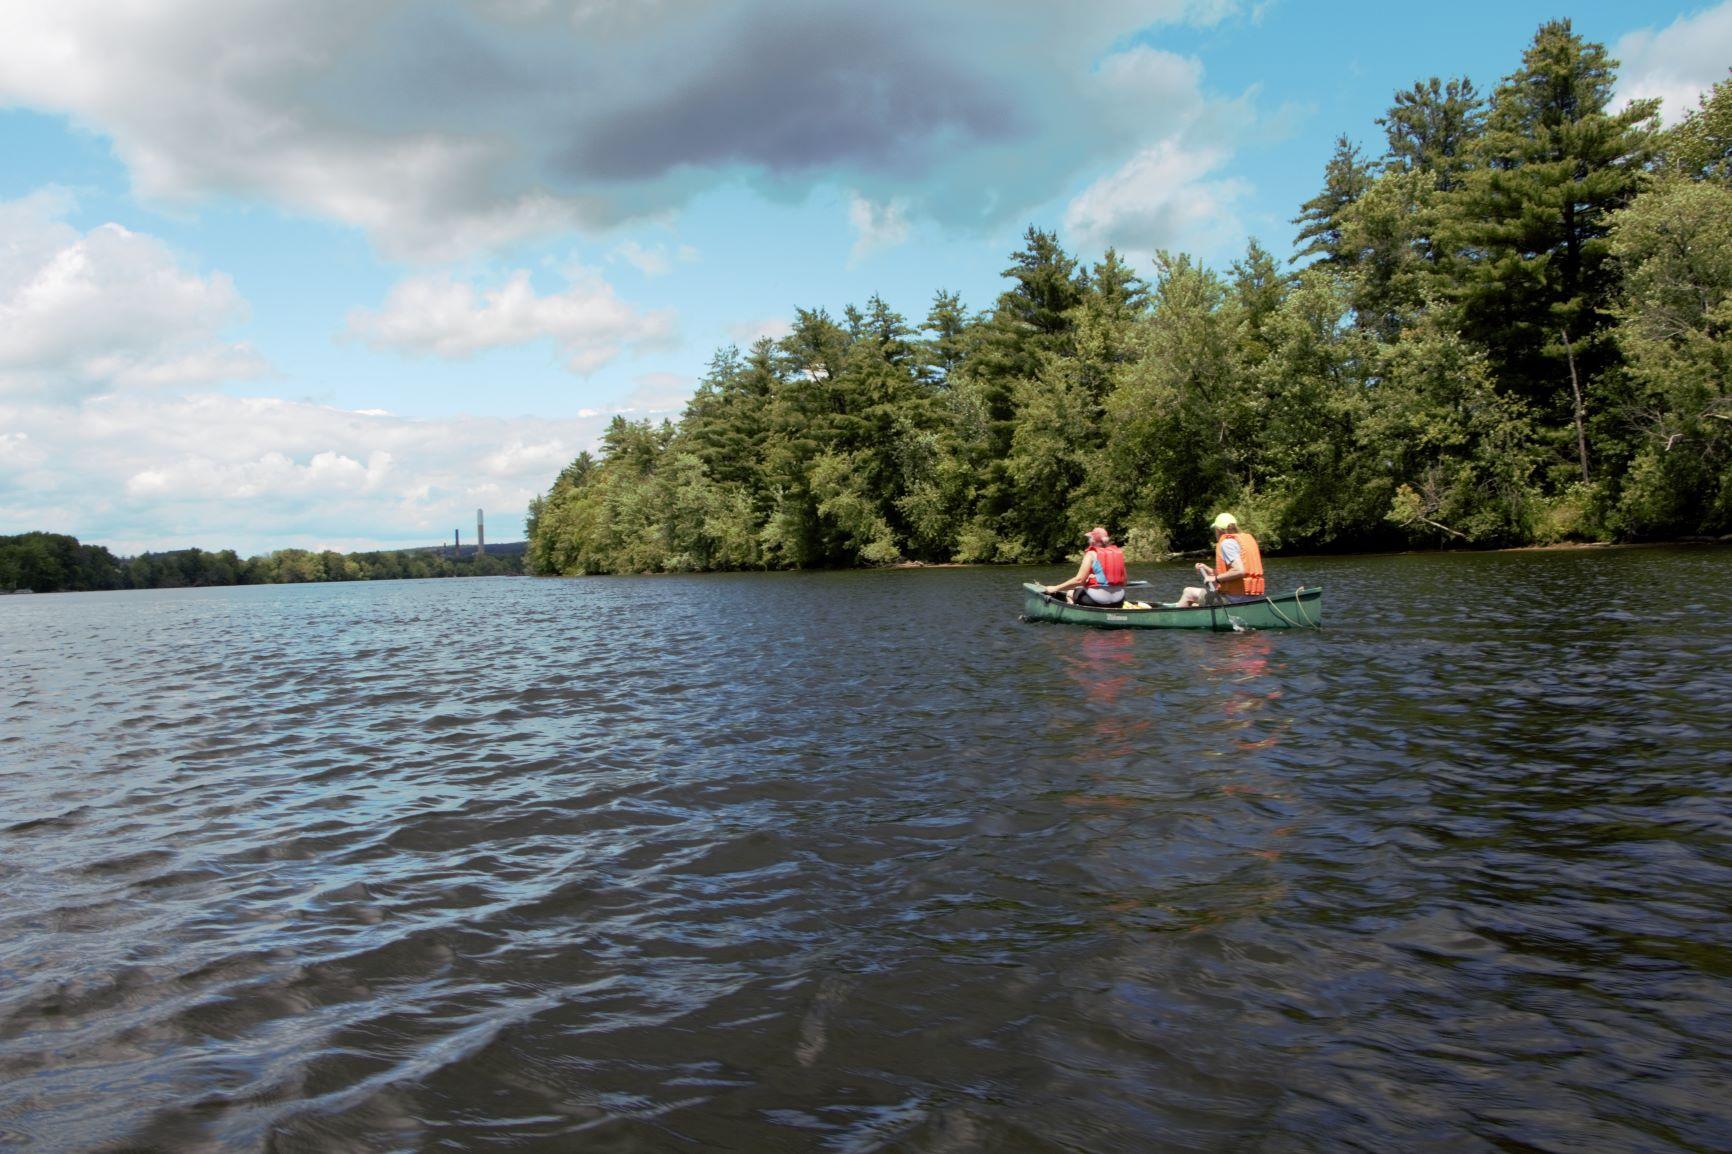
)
(1513, 327)
(56, 563)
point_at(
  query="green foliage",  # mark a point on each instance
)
(56, 563)
(1346, 178)
(1674, 246)
(1432, 128)
(1176, 424)
(1459, 454)
(1322, 488)
(1700, 146)
(1410, 387)
(1526, 234)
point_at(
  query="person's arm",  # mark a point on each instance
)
(1082, 574)
(1235, 565)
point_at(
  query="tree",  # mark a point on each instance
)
(1386, 232)
(1454, 457)
(1700, 147)
(1317, 486)
(1432, 127)
(1674, 245)
(1528, 228)
(949, 323)
(1171, 441)
(1345, 179)
(726, 424)
(1259, 286)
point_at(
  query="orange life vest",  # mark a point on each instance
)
(1250, 560)
(1109, 563)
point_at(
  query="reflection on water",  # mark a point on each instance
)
(857, 861)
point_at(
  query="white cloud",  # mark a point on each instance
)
(1677, 63)
(447, 129)
(876, 226)
(654, 260)
(437, 315)
(146, 471)
(1174, 136)
(1159, 199)
(82, 313)
(1145, 81)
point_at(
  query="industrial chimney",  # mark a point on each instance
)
(480, 535)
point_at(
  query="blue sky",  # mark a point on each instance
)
(322, 274)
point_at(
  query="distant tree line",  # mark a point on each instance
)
(56, 563)
(1511, 326)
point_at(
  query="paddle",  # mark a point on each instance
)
(1061, 596)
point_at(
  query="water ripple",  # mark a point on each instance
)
(856, 862)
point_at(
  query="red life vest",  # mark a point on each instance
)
(1109, 563)
(1250, 560)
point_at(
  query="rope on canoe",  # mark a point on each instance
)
(1299, 606)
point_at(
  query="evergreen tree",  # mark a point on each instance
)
(1527, 230)
(949, 324)
(1345, 179)
(1047, 287)
(1258, 288)
(1315, 486)
(1387, 230)
(1432, 127)
(1031, 322)
(726, 423)
(1171, 441)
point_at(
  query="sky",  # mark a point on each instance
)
(320, 274)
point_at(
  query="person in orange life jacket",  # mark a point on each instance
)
(1100, 579)
(1238, 571)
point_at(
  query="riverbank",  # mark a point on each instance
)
(59, 563)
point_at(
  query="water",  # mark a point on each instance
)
(858, 862)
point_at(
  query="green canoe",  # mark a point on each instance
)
(1296, 610)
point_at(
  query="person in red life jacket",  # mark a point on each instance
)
(1100, 579)
(1238, 571)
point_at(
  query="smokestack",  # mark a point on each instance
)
(456, 543)
(480, 535)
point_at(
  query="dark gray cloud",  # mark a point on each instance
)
(801, 90)
(445, 127)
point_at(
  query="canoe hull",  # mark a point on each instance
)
(1302, 608)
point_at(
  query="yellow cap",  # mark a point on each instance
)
(1226, 521)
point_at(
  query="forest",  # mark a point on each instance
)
(1508, 325)
(57, 563)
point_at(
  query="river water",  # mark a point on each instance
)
(854, 862)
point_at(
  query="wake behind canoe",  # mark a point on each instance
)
(1302, 608)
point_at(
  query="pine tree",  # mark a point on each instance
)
(949, 322)
(1259, 286)
(1527, 230)
(1432, 127)
(1345, 179)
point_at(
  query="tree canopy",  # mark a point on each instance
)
(1511, 326)
(57, 563)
